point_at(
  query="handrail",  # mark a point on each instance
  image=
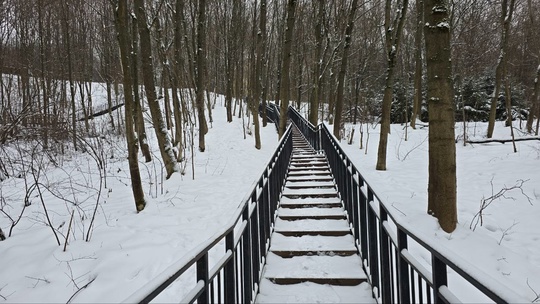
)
(382, 239)
(240, 250)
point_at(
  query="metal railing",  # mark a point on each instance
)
(395, 273)
(228, 266)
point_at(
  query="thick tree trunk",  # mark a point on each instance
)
(125, 49)
(442, 147)
(343, 69)
(286, 63)
(165, 146)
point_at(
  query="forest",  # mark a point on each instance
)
(342, 61)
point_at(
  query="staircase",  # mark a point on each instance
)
(312, 255)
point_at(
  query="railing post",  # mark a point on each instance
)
(363, 220)
(373, 241)
(229, 277)
(438, 270)
(202, 275)
(249, 259)
(403, 270)
(355, 207)
(386, 271)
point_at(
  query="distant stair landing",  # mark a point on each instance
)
(312, 258)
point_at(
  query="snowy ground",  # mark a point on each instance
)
(127, 249)
(507, 246)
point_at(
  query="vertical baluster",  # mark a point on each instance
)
(439, 277)
(373, 240)
(256, 254)
(230, 280)
(385, 257)
(403, 269)
(356, 209)
(363, 222)
(202, 275)
(247, 246)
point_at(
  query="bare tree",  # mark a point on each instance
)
(442, 147)
(507, 10)
(343, 68)
(418, 62)
(286, 62)
(393, 30)
(165, 146)
(122, 27)
(201, 66)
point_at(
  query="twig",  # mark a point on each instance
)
(78, 290)
(69, 229)
(485, 202)
(536, 293)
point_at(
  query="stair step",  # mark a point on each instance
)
(290, 214)
(324, 202)
(286, 246)
(309, 292)
(309, 184)
(310, 193)
(293, 167)
(309, 178)
(335, 270)
(312, 227)
(309, 172)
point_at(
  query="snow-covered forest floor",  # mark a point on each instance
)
(125, 249)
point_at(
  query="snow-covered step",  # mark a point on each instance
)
(325, 202)
(312, 227)
(309, 172)
(313, 156)
(310, 184)
(310, 192)
(321, 269)
(308, 292)
(288, 246)
(291, 214)
(306, 178)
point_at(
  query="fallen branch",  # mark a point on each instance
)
(502, 141)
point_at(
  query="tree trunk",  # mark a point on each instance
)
(67, 41)
(125, 50)
(418, 63)
(286, 62)
(137, 113)
(442, 147)
(164, 143)
(255, 80)
(535, 108)
(343, 69)
(317, 65)
(259, 73)
(392, 47)
(200, 83)
(506, 19)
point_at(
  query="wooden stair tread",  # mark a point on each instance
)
(309, 184)
(316, 268)
(311, 212)
(309, 225)
(309, 292)
(314, 244)
(311, 192)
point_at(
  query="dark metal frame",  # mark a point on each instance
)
(238, 253)
(395, 274)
